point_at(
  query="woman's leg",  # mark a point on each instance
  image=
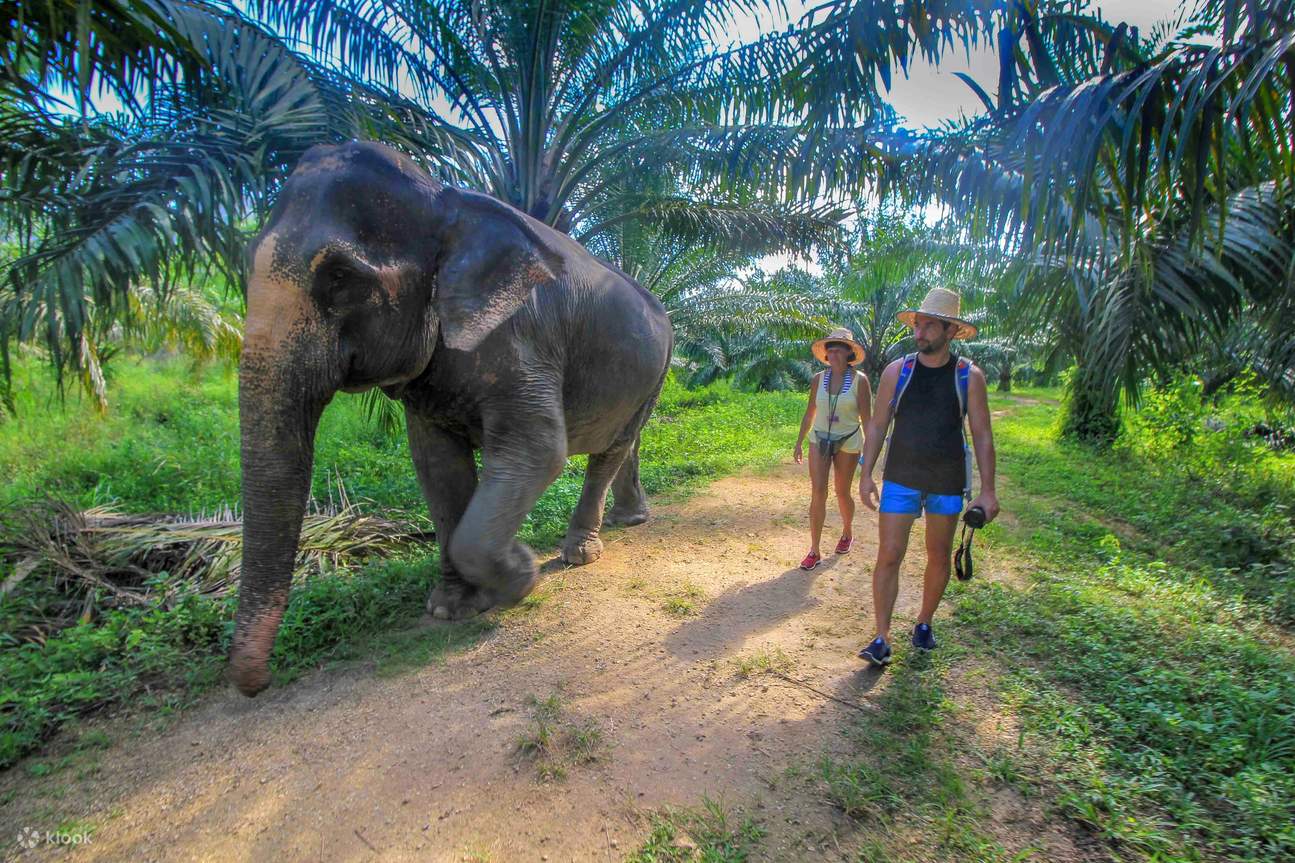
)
(818, 468)
(843, 481)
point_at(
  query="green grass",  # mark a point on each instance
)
(1146, 663)
(710, 833)
(170, 444)
(903, 785)
(1154, 669)
(1216, 503)
(682, 600)
(763, 660)
(176, 648)
(554, 741)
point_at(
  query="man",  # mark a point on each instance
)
(926, 471)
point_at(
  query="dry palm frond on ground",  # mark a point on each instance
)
(101, 558)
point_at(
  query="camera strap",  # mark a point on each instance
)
(962, 563)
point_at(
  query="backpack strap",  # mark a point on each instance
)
(901, 383)
(962, 380)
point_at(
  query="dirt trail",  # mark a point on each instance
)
(344, 765)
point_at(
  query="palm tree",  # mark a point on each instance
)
(586, 115)
(1143, 182)
(215, 111)
(887, 265)
(726, 324)
(593, 117)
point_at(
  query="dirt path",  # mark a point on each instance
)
(345, 765)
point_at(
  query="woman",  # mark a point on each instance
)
(840, 404)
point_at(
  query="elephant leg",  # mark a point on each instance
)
(582, 544)
(629, 502)
(515, 472)
(448, 476)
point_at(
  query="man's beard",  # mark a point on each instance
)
(931, 347)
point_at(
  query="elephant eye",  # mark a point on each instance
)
(340, 280)
(338, 273)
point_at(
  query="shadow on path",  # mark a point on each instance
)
(746, 610)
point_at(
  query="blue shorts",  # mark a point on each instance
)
(903, 500)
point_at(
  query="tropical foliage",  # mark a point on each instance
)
(213, 112)
(884, 265)
(1141, 180)
(1144, 182)
(754, 331)
(596, 118)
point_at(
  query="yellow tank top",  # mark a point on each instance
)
(845, 418)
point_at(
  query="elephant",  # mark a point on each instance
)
(495, 331)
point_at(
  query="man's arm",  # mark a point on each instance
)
(875, 435)
(982, 437)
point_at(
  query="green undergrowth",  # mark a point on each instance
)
(909, 784)
(1218, 504)
(709, 833)
(1148, 653)
(175, 649)
(170, 443)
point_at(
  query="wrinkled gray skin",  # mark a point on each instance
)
(496, 332)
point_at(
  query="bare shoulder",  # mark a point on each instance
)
(892, 369)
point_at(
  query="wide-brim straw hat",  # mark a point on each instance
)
(840, 334)
(943, 304)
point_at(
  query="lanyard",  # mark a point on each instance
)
(833, 399)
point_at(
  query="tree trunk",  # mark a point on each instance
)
(1092, 409)
(1216, 382)
(1005, 378)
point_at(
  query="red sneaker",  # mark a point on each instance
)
(811, 560)
(843, 547)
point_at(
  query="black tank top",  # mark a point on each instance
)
(926, 442)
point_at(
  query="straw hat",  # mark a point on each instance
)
(942, 304)
(840, 334)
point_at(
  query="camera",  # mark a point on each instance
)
(974, 518)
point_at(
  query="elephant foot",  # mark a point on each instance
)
(486, 580)
(626, 517)
(516, 575)
(581, 547)
(455, 599)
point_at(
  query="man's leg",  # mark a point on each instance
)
(939, 553)
(892, 543)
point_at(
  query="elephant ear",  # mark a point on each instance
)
(491, 262)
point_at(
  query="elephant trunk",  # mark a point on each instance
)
(278, 417)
